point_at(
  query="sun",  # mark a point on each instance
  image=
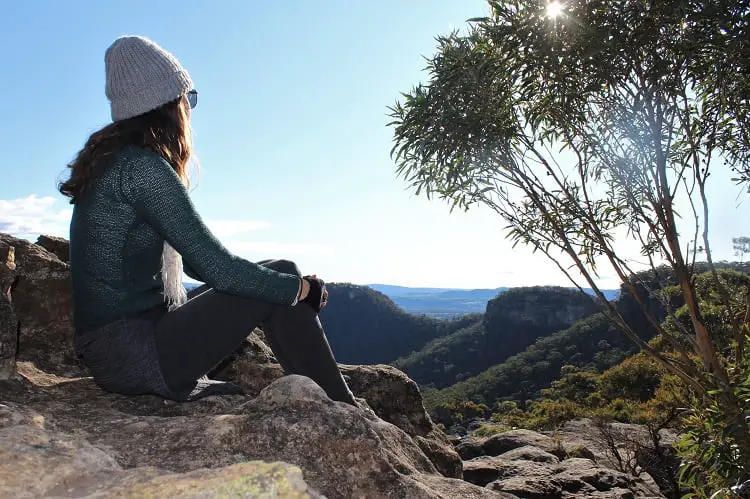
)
(554, 9)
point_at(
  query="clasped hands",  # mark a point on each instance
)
(313, 292)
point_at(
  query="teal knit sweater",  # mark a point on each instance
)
(117, 233)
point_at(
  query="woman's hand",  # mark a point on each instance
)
(314, 292)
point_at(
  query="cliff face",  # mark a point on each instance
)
(543, 307)
(514, 320)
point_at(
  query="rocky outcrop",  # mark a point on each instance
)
(55, 245)
(571, 478)
(285, 435)
(533, 465)
(8, 322)
(42, 301)
(341, 451)
(39, 461)
(543, 307)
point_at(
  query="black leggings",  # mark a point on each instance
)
(197, 336)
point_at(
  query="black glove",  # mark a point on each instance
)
(316, 297)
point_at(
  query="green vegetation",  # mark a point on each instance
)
(593, 343)
(513, 321)
(638, 390)
(365, 327)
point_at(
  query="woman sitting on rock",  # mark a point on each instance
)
(133, 226)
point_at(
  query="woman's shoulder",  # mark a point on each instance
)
(131, 153)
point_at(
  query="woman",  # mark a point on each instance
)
(133, 224)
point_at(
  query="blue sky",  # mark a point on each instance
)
(289, 130)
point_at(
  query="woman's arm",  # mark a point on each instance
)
(152, 186)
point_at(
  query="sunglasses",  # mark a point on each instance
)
(192, 97)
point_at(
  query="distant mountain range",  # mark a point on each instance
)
(449, 302)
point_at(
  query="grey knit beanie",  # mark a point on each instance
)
(142, 76)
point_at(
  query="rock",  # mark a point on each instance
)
(8, 322)
(249, 480)
(253, 366)
(601, 478)
(72, 467)
(474, 425)
(570, 478)
(485, 469)
(457, 430)
(501, 443)
(529, 453)
(469, 448)
(583, 433)
(389, 392)
(443, 456)
(392, 395)
(340, 451)
(43, 304)
(583, 438)
(56, 245)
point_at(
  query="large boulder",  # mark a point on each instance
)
(38, 461)
(43, 304)
(573, 478)
(570, 478)
(56, 245)
(389, 392)
(501, 443)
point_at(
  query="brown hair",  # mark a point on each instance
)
(164, 130)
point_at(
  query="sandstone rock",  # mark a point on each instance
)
(584, 434)
(37, 461)
(253, 366)
(389, 392)
(503, 442)
(43, 305)
(570, 478)
(469, 448)
(486, 469)
(529, 453)
(8, 322)
(392, 395)
(56, 245)
(443, 456)
(341, 452)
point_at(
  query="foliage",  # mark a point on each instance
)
(523, 375)
(643, 99)
(741, 246)
(366, 327)
(637, 378)
(513, 321)
(487, 430)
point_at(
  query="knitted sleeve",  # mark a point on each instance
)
(152, 186)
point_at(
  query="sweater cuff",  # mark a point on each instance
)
(299, 292)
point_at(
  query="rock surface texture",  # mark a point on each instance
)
(533, 465)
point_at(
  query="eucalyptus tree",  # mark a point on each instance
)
(587, 123)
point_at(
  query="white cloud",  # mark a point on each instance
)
(34, 215)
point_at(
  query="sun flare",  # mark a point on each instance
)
(554, 9)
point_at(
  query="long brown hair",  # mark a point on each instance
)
(164, 130)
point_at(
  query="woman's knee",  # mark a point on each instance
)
(285, 266)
